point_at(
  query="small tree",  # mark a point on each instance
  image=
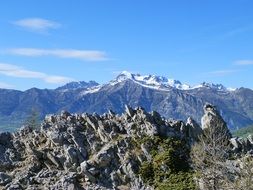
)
(209, 156)
(33, 119)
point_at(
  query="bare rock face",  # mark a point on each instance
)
(89, 151)
(213, 120)
(72, 151)
(193, 130)
(242, 145)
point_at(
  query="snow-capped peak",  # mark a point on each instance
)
(148, 81)
(78, 85)
(213, 86)
(153, 81)
(219, 87)
(231, 89)
(124, 75)
(163, 83)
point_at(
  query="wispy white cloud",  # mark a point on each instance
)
(244, 62)
(16, 71)
(57, 79)
(37, 24)
(86, 55)
(5, 85)
(222, 72)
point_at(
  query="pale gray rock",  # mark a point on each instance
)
(84, 151)
(85, 166)
(250, 138)
(146, 150)
(14, 186)
(55, 137)
(212, 119)
(129, 111)
(193, 130)
(235, 144)
(67, 182)
(50, 118)
(103, 158)
(65, 114)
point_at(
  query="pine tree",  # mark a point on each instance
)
(33, 119)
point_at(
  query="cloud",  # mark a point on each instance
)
(222, 72)
(5, 85)
(37, 24)
(244, 62)
(19, 72)
(86, 55)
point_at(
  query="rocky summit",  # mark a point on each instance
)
(109, 151)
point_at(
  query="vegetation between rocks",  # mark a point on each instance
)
(168, 167)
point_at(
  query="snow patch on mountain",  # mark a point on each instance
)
(218, 87)
(163, 83)
(231, 89)
(91, 90)
(150, 81)
(77, 85)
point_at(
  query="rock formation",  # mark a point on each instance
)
(212, 120)
(89, 151)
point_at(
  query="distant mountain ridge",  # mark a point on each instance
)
(76, 85)
(160, 82)
(169, 97)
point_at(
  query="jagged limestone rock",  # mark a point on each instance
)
(193, 130)
(129, 111)
(90, 151)
(212, 119)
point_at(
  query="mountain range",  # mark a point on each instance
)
(169, 97)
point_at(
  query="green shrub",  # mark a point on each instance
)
(169, 168)
(147, 172)
(177, 181)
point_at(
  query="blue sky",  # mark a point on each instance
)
(46, 43)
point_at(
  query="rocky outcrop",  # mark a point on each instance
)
(193, 129)
(212, 120)
(242, 145)
(90, 151)
(80, 151)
